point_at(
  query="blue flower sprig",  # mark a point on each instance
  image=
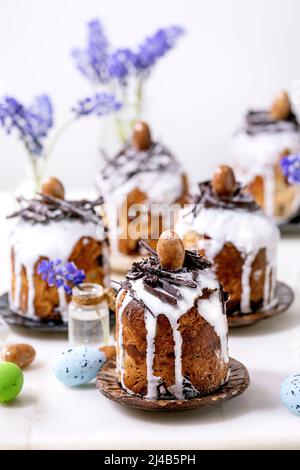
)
(290, 166)
(57, 274)
(99, 104)
(31, 122)
(100, 65)
(92, 61)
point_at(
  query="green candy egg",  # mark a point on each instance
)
(11, 381)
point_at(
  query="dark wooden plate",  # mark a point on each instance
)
(292, 227)
(108, 385)
(14, 319)
(285, 297)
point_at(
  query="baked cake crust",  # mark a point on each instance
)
(166, 350)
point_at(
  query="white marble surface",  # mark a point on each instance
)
(48, 415)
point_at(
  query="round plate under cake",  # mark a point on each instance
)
(292, 227)
(108, 385)
(14, 319)
(285, 297)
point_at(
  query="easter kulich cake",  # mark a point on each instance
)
(171, 325)
(143, 172)
(257, 150)
(226, 225)
(50, 227)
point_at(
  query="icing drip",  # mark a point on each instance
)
(246, 288)
(153, 381)
(267, 286)
(29, 242)
(211, 309)
(247, 231)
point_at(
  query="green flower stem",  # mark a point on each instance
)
(49, 149)
(139, 98)
(39, 163)
(38, 170)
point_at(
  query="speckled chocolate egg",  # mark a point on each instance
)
(290, 393)
(170, 250)
(11, 381)
(78, 365)
(21, 354)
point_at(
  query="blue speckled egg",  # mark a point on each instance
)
(290, 393)
(78, 365)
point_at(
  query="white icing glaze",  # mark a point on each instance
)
(210, 309)
(247, 231)
(256, 155)
(53, 240)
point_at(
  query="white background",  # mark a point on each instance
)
(237, 53)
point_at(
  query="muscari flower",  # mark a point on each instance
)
(32, 123)
(100, 65)
(99, 104)
(57, 274)
(156, 46)
(92, 61)
(121, 63)
(290, 166)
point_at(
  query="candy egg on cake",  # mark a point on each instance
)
(49, 227)
(143, 173)
(171, 326)
(225, 224)
(266, 137)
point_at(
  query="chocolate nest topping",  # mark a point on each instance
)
(130, 161)
(257, 122)
(161, 283)
(44, 209)
(208, 198)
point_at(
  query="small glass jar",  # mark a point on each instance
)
(88, 316)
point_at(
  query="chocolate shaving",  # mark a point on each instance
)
(162, 295)
(126, 285)
(208, 198)
(130, 161)
(160, 282)
(144, 245)
(170, 289)
(261, 121)
(44, 209)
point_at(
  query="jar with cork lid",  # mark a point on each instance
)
(89, 316)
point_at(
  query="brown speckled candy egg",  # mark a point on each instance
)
(170, 250)
(21, 354)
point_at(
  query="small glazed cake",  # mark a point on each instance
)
(268, 136)
(50, 227)
(144, 173)
(171, 336)
(226, 225)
